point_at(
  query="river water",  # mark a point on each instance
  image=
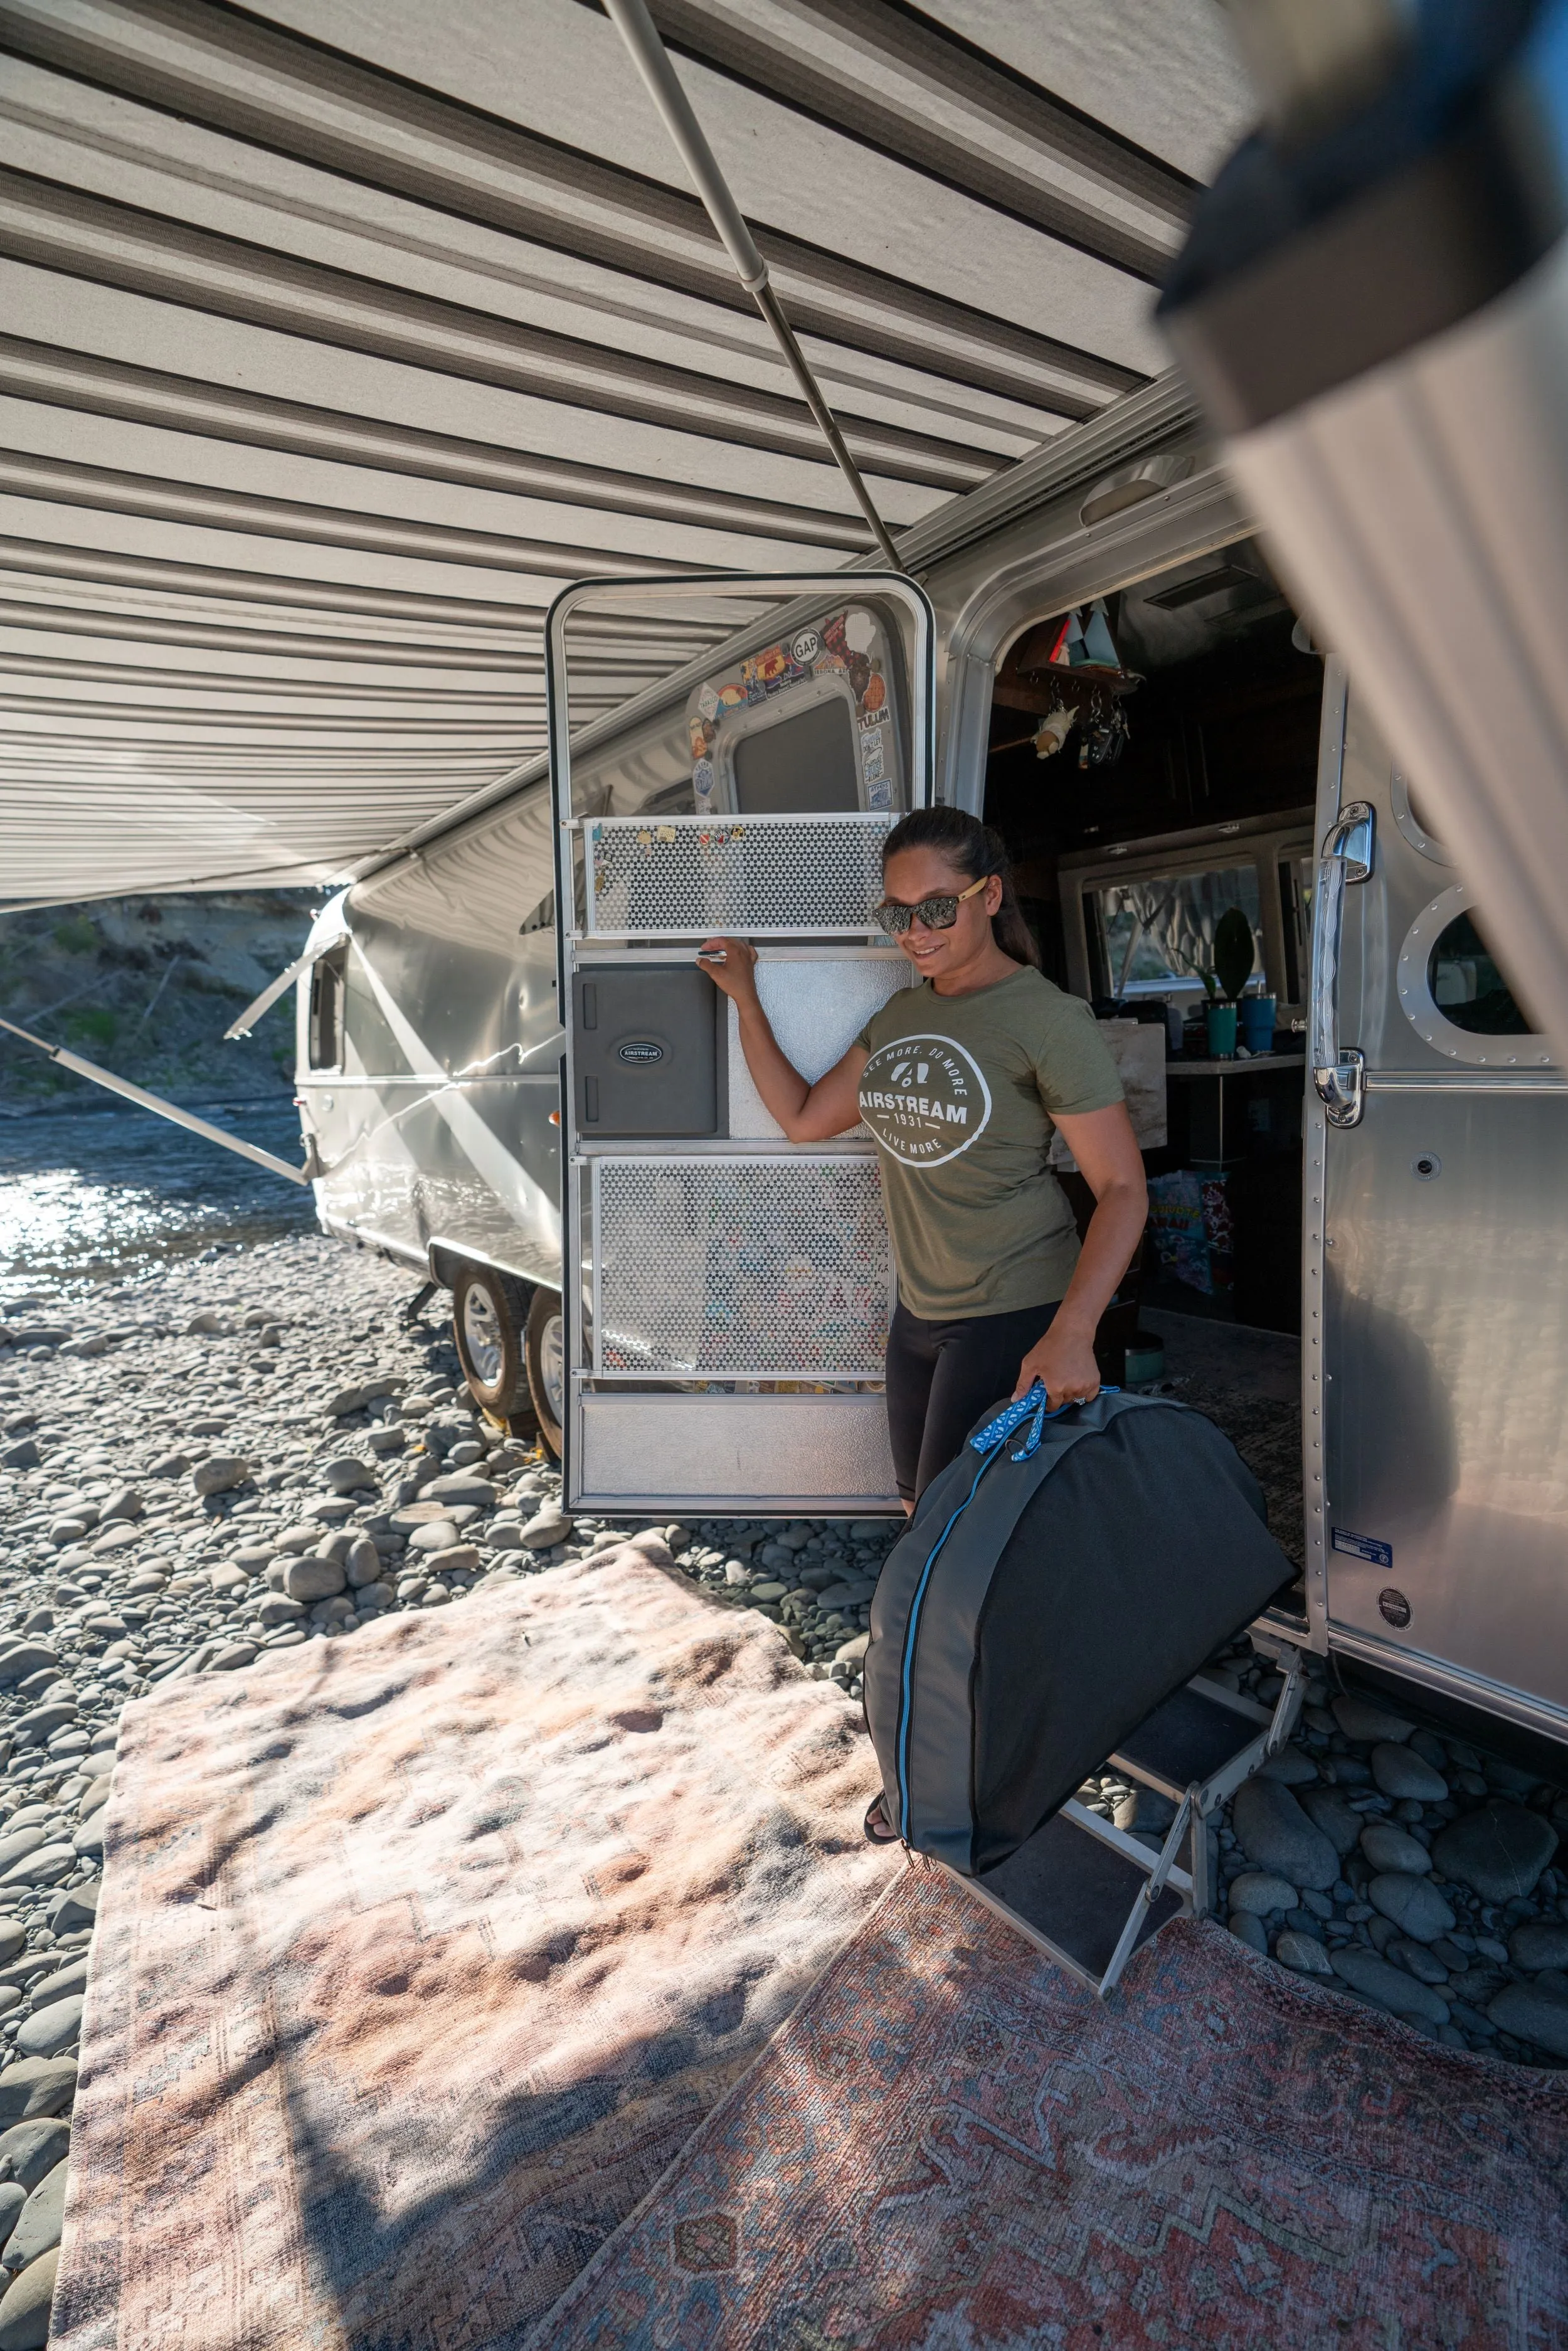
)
(94, 1195)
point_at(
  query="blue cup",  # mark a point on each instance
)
(1221, 1024)
(1258, 1023)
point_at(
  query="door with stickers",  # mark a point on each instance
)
(726, 1292)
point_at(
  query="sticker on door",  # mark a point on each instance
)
(1366, 1547)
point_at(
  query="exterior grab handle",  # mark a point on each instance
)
(1338, 1071)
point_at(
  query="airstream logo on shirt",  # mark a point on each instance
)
(923, 1099)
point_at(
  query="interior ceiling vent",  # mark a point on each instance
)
(1223, 580)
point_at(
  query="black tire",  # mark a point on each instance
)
(546, 1361)
(490, 1320)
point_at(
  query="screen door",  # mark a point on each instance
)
(726, 1294)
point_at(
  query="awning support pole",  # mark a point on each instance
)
(641, 35)
(306, 1175)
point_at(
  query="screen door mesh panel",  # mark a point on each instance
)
(728, 1268)
(782, 877)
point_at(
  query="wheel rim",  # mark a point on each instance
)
(552, 1367)
(482, 1339)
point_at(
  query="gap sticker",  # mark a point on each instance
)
(1365, 1547)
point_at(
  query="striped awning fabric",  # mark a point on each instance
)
(335, 338)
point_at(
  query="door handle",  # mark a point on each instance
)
(1338, 1071)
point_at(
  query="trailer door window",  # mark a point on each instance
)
(805, 764)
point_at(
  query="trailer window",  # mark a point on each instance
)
(326, 1010)
(1157, 930)
(1466, 987)
(804, 765)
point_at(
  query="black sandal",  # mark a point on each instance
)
(876, 1828)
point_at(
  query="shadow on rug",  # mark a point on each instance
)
(420, 1957)
(950, 2146)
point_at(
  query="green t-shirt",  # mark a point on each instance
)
(962, 1093)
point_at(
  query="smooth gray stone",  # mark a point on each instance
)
(1399, 1773)
(1293, 1768)
(844, 1595)
(306, 1580)
(279, 1609)
(36, 2085)
(12, 2196)
(346, 1476)
(1413, 1904)
(40, 1721)
(25, 2312)
(1540, 1943)
(1258, 1892)
(45, 1867)
(1533, 2011)
(76, 1906)
(462, 1486)
(550, 1528)
(361, 1561)
(1498, 1850)
(1389, 1986)
(1365, 1718)
(1276, 1834)
(229, 1659)
(64, 1981)
(220, 1473)
(20, 1844)
(1249, 1931)
(1387, 1847)
(52, 2031)
(38, 2229)
(1303, 1952)
(437, 1534)
(24, 1658)
(503, 1534)
(1420, 1962)
(30, 2150)
(1332, 1813)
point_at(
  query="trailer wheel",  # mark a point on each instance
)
(544, 1353)
(489, 1318)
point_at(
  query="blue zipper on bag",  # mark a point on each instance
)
(988, 1443)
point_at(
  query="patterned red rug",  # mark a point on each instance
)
(421, 1954)
(949, 2147)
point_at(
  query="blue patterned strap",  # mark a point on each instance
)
(1030, 1408)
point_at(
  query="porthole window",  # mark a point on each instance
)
(1411, 820)
(1468, 988)
(1454, 993)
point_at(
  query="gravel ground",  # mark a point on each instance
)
(252, 1450)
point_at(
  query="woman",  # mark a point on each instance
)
(962, 1082)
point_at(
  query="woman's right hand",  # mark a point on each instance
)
(736, 973)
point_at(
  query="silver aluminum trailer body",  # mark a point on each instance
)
(1433, 1359)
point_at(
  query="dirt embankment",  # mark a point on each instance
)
(146, 987)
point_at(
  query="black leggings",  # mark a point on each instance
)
(941, 1376)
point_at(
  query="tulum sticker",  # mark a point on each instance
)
(924, 1100)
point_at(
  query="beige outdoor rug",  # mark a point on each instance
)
(421, 1954)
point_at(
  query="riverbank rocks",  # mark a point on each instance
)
(1498, 1851)
(36, 2085)
(1389, 1987)
(1536, 2011)
(1363, 1719)
(1304, 1952)
(1541, 1943)
(1413, 1904)
(51, 2030)
(220, 1473)
(29, 2151)
(1387, 1847)
(1257, 1893)
(37, 2229)
(546, 1529)
(1404, 1775)
(25, 2309)
(1276, 1834)
(313, 1578)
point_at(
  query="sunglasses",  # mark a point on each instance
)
(934, 913)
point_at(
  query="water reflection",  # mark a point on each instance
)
(89, 1196)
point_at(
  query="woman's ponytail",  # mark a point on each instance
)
(974, 850)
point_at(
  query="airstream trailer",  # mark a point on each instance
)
(519, 1081)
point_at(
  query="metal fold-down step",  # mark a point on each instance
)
(1088, 1894)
